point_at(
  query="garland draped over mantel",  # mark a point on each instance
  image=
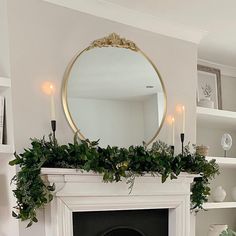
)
(112, 162)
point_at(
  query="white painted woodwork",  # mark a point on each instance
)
(216, 118)
(5, 82)
(225, 69)
(219, 205)
(227, 162)
(6, 149)
(5, 90)
(77, 191)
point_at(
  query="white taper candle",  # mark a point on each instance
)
(183, 110)
(53, 112)
(173, 130)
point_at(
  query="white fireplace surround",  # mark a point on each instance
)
(77, 192)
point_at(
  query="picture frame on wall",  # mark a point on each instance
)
(209, 87)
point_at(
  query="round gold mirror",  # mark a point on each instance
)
(113, 92)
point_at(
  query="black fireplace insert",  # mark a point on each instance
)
(148, 222)
(123, 230)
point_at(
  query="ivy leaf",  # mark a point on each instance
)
(14, 214)
(35, 220)
(29, 224)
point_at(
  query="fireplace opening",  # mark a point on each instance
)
(148, 222)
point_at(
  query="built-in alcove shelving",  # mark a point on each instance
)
(5, 90)
(219, 205)
(211, 125)
(224, 162)
(216, 118)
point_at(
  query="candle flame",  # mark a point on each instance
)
(180, 108)
(48, 88)
(173, 120)
(170, 120)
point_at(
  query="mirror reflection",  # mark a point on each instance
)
(115, 95)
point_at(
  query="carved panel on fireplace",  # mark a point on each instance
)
(123, 230)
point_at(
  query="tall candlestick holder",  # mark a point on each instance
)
(54, 126)
(182, 142)
(172, 149)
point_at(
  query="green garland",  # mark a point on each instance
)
(112, 162)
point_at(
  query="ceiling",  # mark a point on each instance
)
(217, 17)
(210, 22)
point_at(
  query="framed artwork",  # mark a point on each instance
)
(209, 87)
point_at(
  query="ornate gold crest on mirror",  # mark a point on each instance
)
(113, 92)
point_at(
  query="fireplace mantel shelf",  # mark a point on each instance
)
(78, 191)
(67, 171)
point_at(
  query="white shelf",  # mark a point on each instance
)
(6, 149)
(5, 82)
(224, 161)
(216, 118)
(219, 205)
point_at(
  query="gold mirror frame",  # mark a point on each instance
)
(113, 40)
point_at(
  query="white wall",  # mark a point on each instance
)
(44, 38)
(4, 40)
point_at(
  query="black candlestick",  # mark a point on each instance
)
(182, 142)
(54, 126)
(172, 149)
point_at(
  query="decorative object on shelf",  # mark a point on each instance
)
(112, 162)
(206, 101)
(228, 232)
(226, 143)
(209, 87)
(219, 194)
(202, 150)
(233, 193)
(217, 229)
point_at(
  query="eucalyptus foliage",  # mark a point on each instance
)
(112, 163)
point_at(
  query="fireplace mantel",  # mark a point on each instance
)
(85, 191)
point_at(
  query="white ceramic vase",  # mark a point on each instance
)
(206, 102)
(219, 194)
(216, 230)
(233, 193)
